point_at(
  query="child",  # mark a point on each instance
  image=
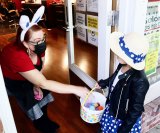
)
(127, 86)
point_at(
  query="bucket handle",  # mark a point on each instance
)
(87, 96)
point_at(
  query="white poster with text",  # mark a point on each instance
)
(92, 5)
(92, 37)
(81, 5)
(81, 33)
(80, 19)
(92, 22)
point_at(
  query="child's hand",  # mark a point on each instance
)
(97, 86)
(38, 94)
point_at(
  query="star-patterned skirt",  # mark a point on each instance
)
(110, 125)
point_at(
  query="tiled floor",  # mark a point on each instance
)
(155, 130)
(1, 127)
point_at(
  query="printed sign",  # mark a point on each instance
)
(81, 5)
(152, 32)
(81, 33)
(92, 5)
(152, 17)
(92, 22)
(152, 56)
(80, 18)
(93, 37)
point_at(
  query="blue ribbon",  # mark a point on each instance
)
(136, 58)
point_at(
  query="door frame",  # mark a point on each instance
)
(103, 47)
(6, 115)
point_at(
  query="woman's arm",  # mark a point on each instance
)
(38, 79)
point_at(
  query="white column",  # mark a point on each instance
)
(132, 15)
(104, 9)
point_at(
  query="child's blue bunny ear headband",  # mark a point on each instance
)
(25, 23)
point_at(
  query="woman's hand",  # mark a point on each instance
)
(38, 94)
(82, 92)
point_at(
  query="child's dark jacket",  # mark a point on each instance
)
(133, 95)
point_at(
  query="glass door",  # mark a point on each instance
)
(87, 39)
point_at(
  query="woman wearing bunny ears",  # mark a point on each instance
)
(21, 64)
(127, 86)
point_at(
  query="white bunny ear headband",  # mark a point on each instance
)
(25, 23)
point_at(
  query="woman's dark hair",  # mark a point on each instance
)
(28, 34)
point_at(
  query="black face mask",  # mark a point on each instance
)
(40, 48)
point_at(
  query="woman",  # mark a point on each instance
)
(21, 64)
(127, 86)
